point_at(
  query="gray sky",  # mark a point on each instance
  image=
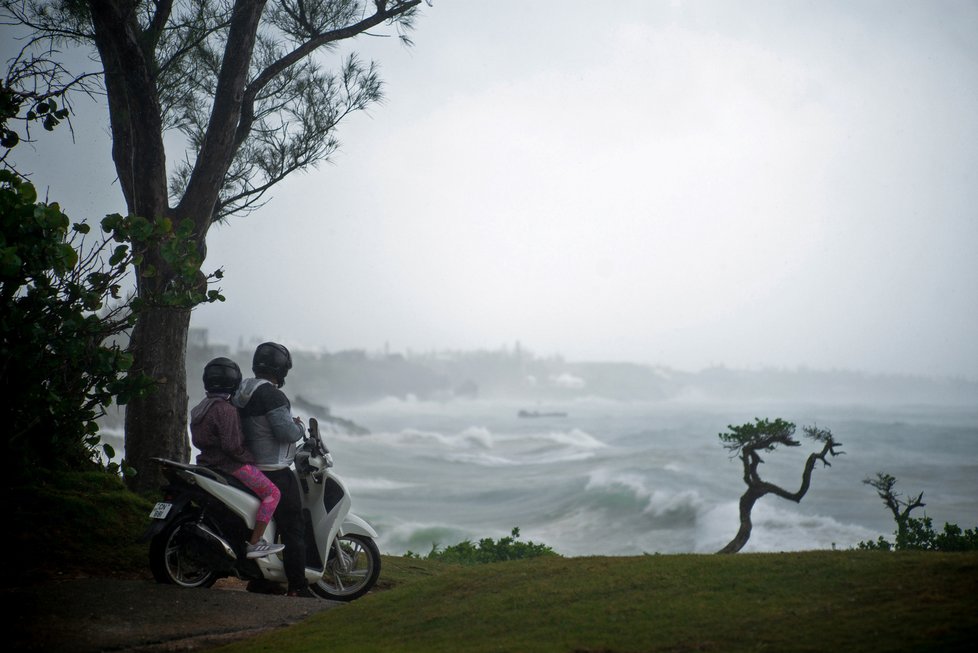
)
(678, 183)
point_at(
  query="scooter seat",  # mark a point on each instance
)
(209, 472)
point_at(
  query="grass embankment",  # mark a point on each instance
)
(813, 601)
(77, 523)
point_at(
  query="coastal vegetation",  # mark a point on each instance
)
(61, 310)
(915, 533)
(486, 550)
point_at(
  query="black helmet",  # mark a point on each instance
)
(272, 359)
(222, 375)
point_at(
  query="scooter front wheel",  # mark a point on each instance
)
(177, 557)
(351, 570)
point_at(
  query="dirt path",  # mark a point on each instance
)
(88, 615)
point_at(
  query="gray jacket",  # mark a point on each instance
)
(266, 419)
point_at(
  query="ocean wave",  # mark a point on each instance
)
(419, 537)
(364, 485)
(482, 459)
(572, 438)
(479, 445)
(628, 492)
(522, 460)
(477, 435)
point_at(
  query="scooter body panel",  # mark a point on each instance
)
(356, 525)
(242, 503)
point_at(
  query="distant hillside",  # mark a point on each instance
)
(357, 376)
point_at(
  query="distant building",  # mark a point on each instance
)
(197, 338)
(198, 344)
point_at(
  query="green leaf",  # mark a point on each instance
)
(118, 255)
(10, 263)
(9, 138)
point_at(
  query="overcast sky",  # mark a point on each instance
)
(679, 183)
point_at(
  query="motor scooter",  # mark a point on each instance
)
(198, 531)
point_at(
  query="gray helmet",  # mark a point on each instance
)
(272, 359)
(222, 375)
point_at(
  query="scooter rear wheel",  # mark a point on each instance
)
(352, 569)
(176, 556)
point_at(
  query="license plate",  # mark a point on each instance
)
(161, 510)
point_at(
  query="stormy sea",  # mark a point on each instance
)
(597, 477)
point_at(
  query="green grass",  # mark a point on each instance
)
(851, 601)
(813, 601)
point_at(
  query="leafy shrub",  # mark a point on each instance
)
(487, 550)
(919, 535)
(61, 308)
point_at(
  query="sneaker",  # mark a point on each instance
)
(263, 548)
(305, 593)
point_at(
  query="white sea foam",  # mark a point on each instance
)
(663, 503)
(482, 459)
(478, 435)
(572, 438)
(607, 478)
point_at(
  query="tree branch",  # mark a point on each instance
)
(305, 49)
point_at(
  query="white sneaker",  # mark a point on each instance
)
(263, 548)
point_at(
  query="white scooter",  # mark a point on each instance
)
(199, 530)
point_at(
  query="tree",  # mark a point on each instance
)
(239, 80)
(901, 508)
(746, 441)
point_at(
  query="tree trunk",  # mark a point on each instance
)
(747, 502)
(156, 425)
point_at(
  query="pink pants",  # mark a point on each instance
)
(264, 488)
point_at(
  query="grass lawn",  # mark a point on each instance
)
(845, 601)
(811, 601)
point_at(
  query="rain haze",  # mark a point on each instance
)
(686, 184)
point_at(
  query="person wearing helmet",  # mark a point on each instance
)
(271, 434)
(215, 429)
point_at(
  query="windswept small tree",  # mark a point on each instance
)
(916, 533)
(885, 485)
(746, 441)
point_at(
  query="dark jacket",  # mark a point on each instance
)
(266, 419)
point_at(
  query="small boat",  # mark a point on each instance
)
(535, 413)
